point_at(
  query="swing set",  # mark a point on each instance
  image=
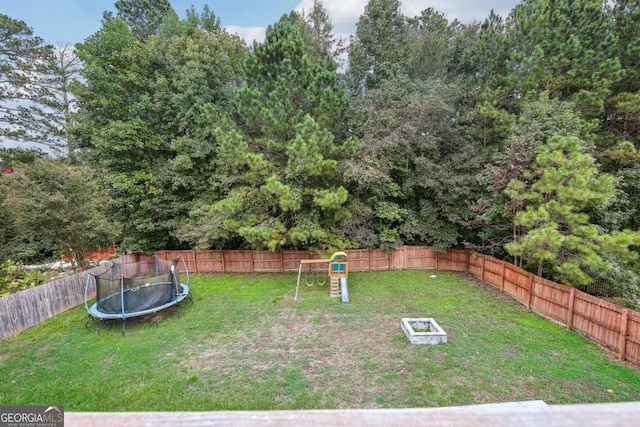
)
(337, 270)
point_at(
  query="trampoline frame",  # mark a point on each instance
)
(96, 315)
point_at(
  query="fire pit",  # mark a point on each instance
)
(423, 331)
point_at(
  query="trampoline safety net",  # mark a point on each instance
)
(137, 286)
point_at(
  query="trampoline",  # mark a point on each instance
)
(127, 290)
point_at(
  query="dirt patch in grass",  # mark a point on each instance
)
(330, 356)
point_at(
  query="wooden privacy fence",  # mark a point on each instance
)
(33, 306)
(408, 257)
(609, 325)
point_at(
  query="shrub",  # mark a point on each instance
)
(14, 277)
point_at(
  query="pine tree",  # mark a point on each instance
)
(29, 111)
(565, 48)
(564, 183)
(287, 188)
(56, 103)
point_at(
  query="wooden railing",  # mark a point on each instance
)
(613, 327)
(521, 414)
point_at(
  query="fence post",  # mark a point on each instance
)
(405, 258)
(281, 261)
(623, 335)
(531, 285)
(484, 259)
(468, 261)
(195, 260)
(437, 261)
(572, 299)
(502, 277)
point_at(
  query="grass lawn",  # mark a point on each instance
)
(246, 345)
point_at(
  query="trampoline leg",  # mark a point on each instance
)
(190, 299)
(156, 319)
(124, 322)
(99, 326)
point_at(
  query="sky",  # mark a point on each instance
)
(72, 21)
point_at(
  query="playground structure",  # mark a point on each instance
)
(127, 290)
(337, 272)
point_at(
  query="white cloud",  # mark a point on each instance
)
(249, 34)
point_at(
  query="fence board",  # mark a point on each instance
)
(597, 320)
(238, 262)
(33, 306)
(632, 340)
(398, 259)
(359, 259)
(209, 262)
(7, 327)
(420, 258)
(189, 258)
(453, 260)
(267, 262)
(551, 299)
(291, 260)
(476, 264)
(383, 259)
(517, 283)
(493, 269)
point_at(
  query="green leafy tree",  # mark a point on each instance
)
(431, 39)
(479, 63)
(564, 184)
(144, 17)
(285, 187)
(620, 128)
(147, 114)
(623, 108)
(52, 203)
(413, 175)
(481, 52)
(378, 49)
(206, 20)
(316, 29)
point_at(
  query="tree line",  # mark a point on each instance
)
(515, 136)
